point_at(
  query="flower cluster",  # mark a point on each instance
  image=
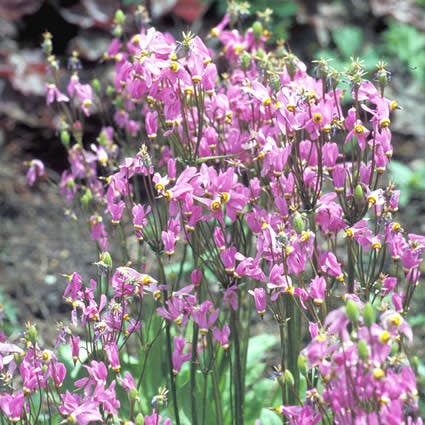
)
(257, 183)
(366, 376)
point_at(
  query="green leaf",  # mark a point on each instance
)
(349, 40)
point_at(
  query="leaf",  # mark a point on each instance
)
(349, 40)
(401, 173)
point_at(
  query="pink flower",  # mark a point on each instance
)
(260, 299)
(178, 357)
(222, 336)
(205, 316)
(318, 289)
(35, 170)
(12, 405)
(231, 296)
(79, 411)
(54, 95)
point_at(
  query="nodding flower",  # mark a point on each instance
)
(260, 299)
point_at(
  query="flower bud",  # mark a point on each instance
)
(369, 315)
(288, 377)
(110, 91)
(86, 198)
(363, 350)
(257, 29)
(65, 138)
(358, 193)
(245, 60)
(106, 259)
(96, 85)
(140, 420)
(352, 311)
(133, 394)
(119, 17)
(302, 364)
(117, 31)
(32, 334)
(298, 222)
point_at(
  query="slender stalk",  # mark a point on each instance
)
(193, 367)
(293, 341)
(237, 370)
(350, 266)
(169, 348)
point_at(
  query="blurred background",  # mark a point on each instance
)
(37, 244)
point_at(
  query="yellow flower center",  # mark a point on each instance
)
(359, 129)
(215, 205)
(385, 123)
(317, 117)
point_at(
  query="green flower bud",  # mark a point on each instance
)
(86, 198)
(119, 17)
(32, 334)
(415, 363)
(352, 311)
(289, 378)
(106, 259)
(358, 193)
(96, 85)
(133, 394)
(363, 350)
(117, 31)
(291, 62)
(302, 364)
(261, 54)
(369, 315)
(245, 60)
(257, 29)
(110, 91)
(298, 222)
(140, 420)
(103, 139)
(65, 138)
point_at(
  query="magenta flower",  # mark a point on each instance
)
(54, 95)
(35, 170)
(178, 357)
(12, 405)
(260, 299)
(205, 316)
(79, 411)
(222, 336)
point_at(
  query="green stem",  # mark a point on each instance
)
(193, 367)
(218, 406)
(169, 348)
(237, 370)
(350, 266)
(292, 345)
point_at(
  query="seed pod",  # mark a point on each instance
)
(369, 315)
(352, 311)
